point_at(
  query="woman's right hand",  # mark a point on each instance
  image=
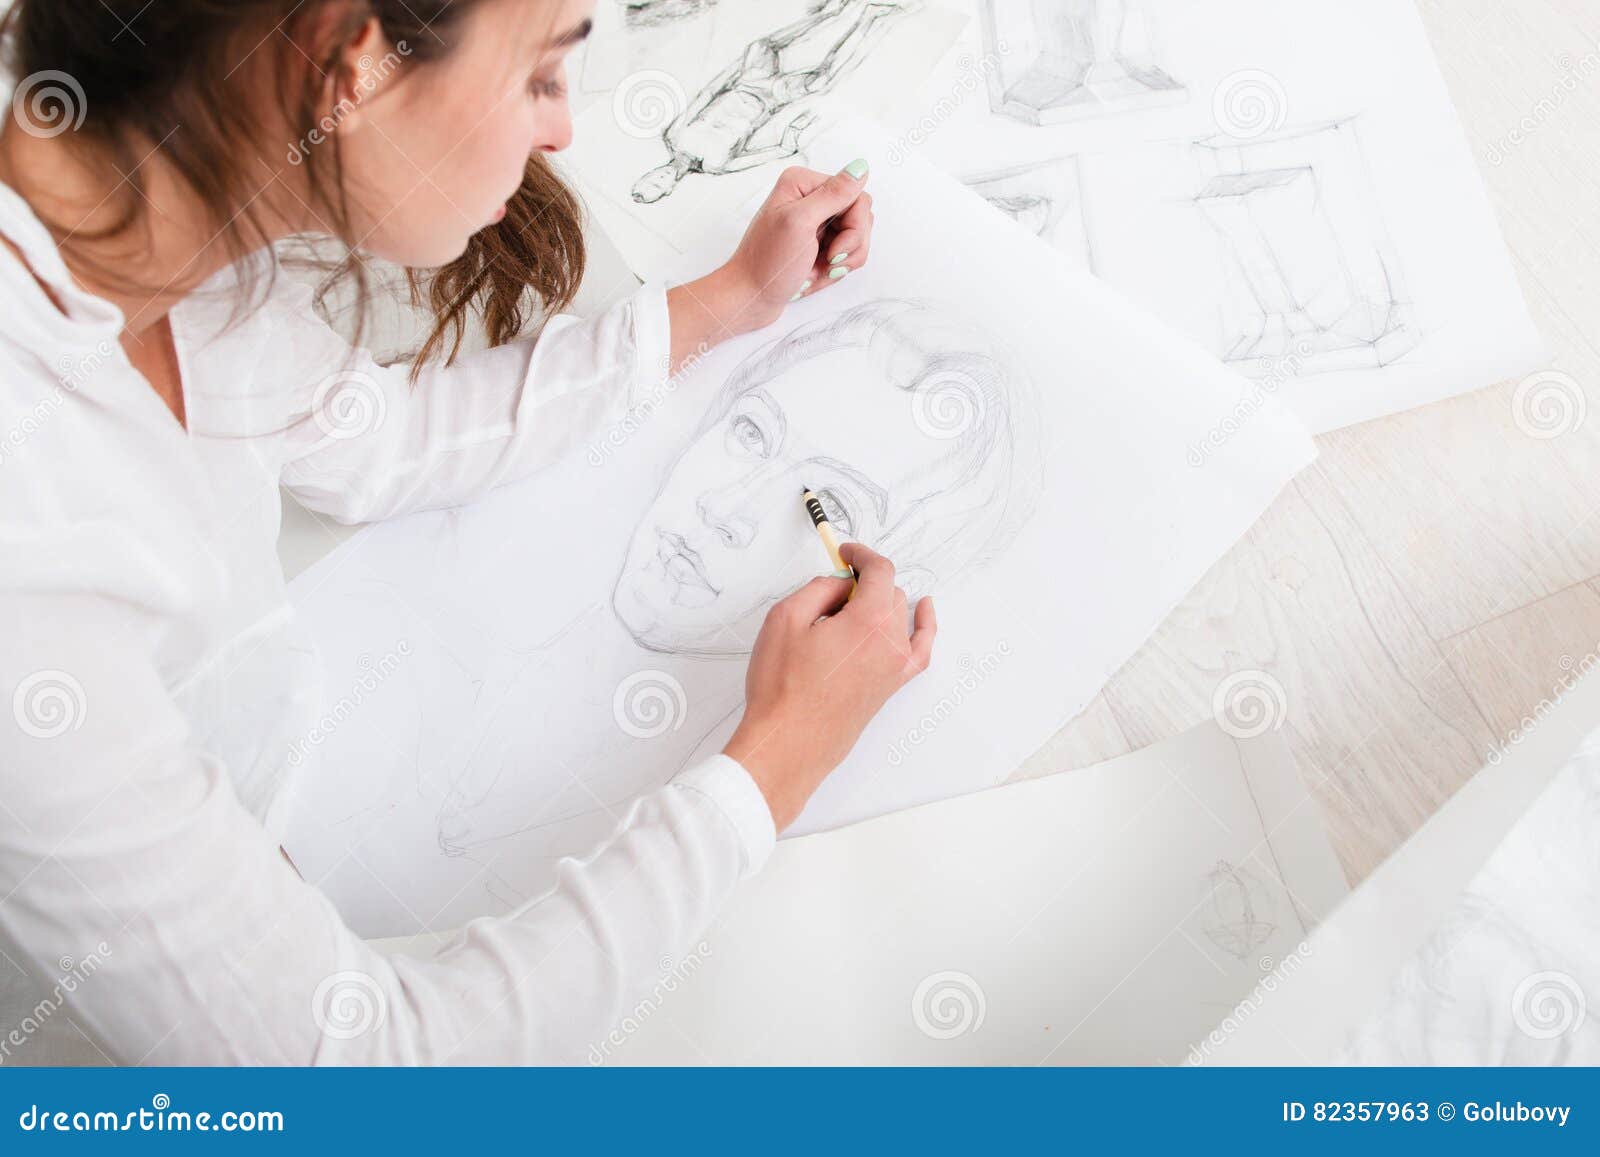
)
(821, 669)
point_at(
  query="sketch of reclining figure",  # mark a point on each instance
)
(727, 128)
(1313, 279)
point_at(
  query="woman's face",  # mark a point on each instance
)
(728, 535)
(436, 158)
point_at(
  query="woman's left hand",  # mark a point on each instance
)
(810, 232)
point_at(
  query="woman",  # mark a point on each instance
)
(146, 646)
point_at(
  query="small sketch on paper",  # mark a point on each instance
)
(1313, 281)
(757, 110)
(1046, 199)
(1064, 59)
(1236, 910)
(939, 471)
(654, 13)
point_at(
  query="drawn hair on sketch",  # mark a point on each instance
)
(757, 109)
(917, 436)
(655, 13)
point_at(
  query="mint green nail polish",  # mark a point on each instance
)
(797, 297)
(840, 257)
(857, 168)
(837, 273)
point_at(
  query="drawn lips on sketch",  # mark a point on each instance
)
(685, 567)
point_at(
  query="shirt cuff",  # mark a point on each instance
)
(652, 338)
(729, 786)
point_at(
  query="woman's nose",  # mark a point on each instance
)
(556, 135)
(725, 518)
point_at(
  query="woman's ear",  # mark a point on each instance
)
(364, 63)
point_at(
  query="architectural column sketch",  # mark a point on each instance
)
(1047, 200)
(1064, 59)
(1313, 281)
(757, 110)
(654, 13)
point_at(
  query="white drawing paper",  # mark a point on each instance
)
(1285, 181)
(1019, 439)
(679, 144)
(1110, 915)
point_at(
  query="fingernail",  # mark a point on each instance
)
(837, 272)
(857, 168)
(846, 573)
(839, 257)
(802, 292)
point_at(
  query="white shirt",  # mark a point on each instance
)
(156, 687)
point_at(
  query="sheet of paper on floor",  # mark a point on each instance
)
(1019, 439)
(1285, 181)
(1110, 915)
(730, 97)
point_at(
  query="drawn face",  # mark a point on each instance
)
(728, 535)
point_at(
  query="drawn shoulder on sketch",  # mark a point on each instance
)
(1312, 280)
(915, 433)
(756, 110)
(1060, 60)
(1237, 910)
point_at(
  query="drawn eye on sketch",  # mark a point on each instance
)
(757, 109)
(1236, 912)
(915, 435)
(1059, 60)
(1044, 198)
(654, 13)
(1313, 282)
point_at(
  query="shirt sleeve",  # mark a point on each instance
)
(120, 838)
(367, 443)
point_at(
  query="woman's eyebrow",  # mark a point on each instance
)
(574, 35)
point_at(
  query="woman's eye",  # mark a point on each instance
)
(837, 513)
(547, 89)
(745, 437)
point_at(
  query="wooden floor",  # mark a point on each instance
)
(1436, 574)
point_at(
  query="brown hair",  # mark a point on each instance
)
(141, 68)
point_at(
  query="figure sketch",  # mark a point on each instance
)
(1314, 283)
(1065, 59)
(1047, 200)
(1237, 910)
(756, 110)
(939, 465)
(654, 13)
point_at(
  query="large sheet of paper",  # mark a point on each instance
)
(705, 104)
(1285, 181)
(503, 679)
(1110, 915)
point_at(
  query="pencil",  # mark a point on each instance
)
(829, 536)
